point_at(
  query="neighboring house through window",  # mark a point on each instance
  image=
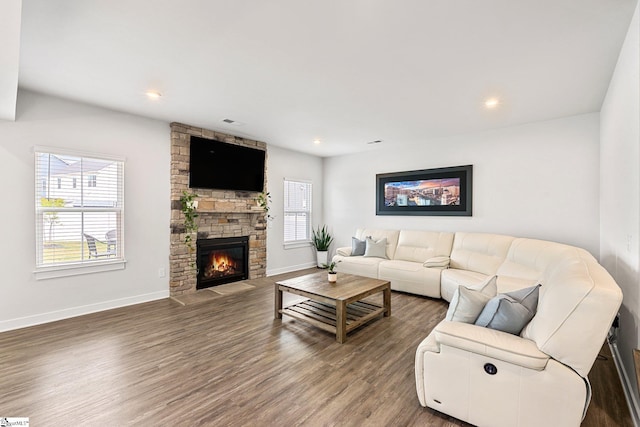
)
(297, 211)
(78, 228)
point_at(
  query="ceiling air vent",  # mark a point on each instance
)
(377, 141)
(232, 122)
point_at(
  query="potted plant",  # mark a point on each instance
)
(332, 274)
(321, 239)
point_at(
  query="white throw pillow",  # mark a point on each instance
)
(376, 249)
(467, 304)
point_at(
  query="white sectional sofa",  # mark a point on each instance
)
(482, 375)
(407, 251)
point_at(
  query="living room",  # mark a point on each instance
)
(569, 176)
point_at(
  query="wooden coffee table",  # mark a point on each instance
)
(334, 307)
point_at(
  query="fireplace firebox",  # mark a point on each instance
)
(222, 260)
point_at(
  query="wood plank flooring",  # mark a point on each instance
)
(227, 362)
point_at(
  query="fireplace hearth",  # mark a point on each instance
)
(222, 260)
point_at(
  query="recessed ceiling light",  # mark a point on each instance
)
(492, 102)
(317, 141)
(154, 94)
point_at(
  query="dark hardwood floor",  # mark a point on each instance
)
(228, 362)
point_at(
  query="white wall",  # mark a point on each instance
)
(289, 164)
(620, 192)
(145, 144)
(538, 180)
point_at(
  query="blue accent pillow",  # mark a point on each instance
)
(510, 312)
(357, 247)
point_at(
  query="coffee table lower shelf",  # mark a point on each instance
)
(323, 315)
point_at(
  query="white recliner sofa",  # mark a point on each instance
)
(485, 376)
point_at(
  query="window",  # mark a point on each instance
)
(80, 227)
(297, 211)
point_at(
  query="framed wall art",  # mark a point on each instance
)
(441, 191)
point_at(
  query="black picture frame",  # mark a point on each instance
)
(438, 192)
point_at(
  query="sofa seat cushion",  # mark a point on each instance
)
(358, 265)
(413, 277)
(452, 278)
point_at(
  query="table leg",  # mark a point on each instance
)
(341, 321)
(387, 301)
(278, 304)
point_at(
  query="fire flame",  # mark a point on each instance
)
(220, 264)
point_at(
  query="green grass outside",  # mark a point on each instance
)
(68, 251)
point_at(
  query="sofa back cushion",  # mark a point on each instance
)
(578, 302)
(391, 236)
(419, 246)
(479, 252)
(528, 260)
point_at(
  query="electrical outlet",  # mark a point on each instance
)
(161, 272)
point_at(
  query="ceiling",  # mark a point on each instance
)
(344, 72)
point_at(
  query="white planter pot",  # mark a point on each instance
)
(332, 277)
(321, 257)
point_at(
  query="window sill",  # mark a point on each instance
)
(295, 245)
(44, 273)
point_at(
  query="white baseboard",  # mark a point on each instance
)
(632, 399)
(289, 269)
(52, 316)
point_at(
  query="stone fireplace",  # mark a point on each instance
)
(221, 214)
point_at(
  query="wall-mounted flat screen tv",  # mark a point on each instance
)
(218, 165)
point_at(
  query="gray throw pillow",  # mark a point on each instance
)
(510, 312)
(376, 249)
(357, 247)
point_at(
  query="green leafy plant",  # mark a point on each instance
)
(263, 201)
(188, 204)
(321, 239)
(331, 267)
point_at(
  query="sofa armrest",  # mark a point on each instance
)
(437, 262)
(496, 344)
(344, 251)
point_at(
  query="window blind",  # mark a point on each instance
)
(297, 211)
(79, 209)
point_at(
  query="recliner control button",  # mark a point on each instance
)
(490, 368)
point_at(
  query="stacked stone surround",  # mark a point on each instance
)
(221, 213)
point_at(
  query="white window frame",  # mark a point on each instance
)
(290, 244)
(118, 262)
